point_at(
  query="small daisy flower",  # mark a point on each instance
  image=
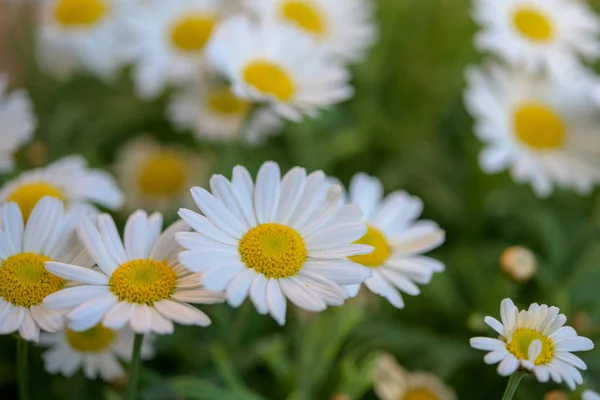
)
(398, 239)
(168, 40)
(590, 395)
(279, 65)
(345, 27)
(48, 234)
(542, 129)
(158, 176)
(96, 351)
(538, 34)
(17, 121)
(139, 282)
(535, 340)
(276, 239)
(81, 35)
(67, 179)
(392, 382)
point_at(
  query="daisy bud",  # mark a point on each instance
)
(518, 263)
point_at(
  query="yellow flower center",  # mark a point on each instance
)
(75, 13)
(533, 24)
(27, 195)
(94, 340)
(539, 127)
(162, 174)
(521, 340)
(305, 15)
(269, 78)
(381, 248)
(419, 394)
(192, 31)
(143, 281)
(273, 250)
(25, 282)
(222, 101)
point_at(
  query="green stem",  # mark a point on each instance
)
(23, 368)
(513, 383)
(134, 367)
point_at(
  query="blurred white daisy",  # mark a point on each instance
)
(274, 239)
(139, 282)
(213, 112)
(590, 395)
(80, 35)
(536, 340)
(96, 351)
(158, 176)
(398, 239)
(392, 382)
(168, 39)
(538, 34)
(49, 234)
(67, 179)
(544, 130)
(278, 64)
(17, 121)
(345, 27)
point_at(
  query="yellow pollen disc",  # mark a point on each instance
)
(419, 394)
(25, 282)
(533, 24)
(143, 281)
(522, 338)
(274, 250)
(539, 127)
(28, 194)
(192, 31)
(305, 15)
(162, 174)
(224, 102)
(269, 78)
(80, 12)
(94, 340)
(381, 251)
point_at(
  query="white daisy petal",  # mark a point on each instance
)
(276, 302)
(77, 274)
(74, 296)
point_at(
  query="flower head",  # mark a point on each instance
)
(590, 395)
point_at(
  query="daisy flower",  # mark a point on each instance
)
(345, 27)
(590, 395)
(96, 351)
(213, 112)
(17, 121)
(80, 34)
(139, 282)
(67, 179)
(398, 239)
(274, 239)
(392, 382)
(535, 340)
(279, 65)
(542, 129)
(48, 234)
(538, 34)
(168, 40)
(158, 176)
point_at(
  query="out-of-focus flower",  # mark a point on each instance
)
(280, 65)
(392, 382)
(538, 34)
(583, 323)
(518, 263)
(36, 154)
(398, 239)
(168, 41)
(536, 340)
(590, 395)
(81, 35)
(540, 128)
(25, 246)
(276, 239)
(67, 179)
(158, 176)
(96, 351)
(139, 282)
(213, 112)
(17, 122)
(345, 27)
(556, 395)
